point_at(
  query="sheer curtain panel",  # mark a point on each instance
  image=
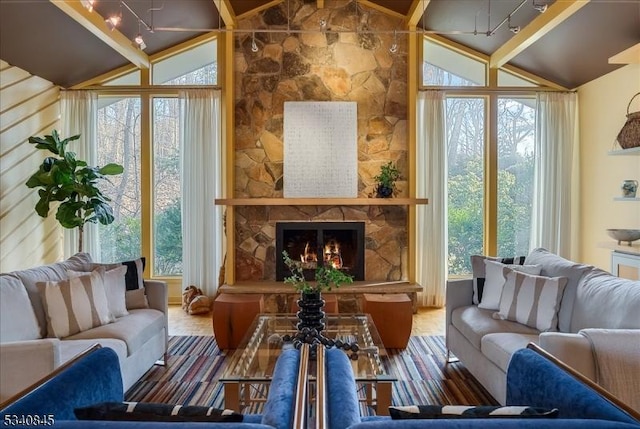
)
(556, 174)
(431, 181)
(202, 221)
(79, 115)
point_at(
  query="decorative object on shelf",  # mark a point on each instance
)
(386, 179)
(73, 184)
(629, 188)
(311, 302)
(629, 135)
(628, 235)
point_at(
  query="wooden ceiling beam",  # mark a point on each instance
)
(382, 9)
(541, 25)
(628, 56)
(226, 12)
(416, 10)
(320, 4)
(94, 22)
(257, 10)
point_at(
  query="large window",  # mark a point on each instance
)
(167, 215)
(484, 159)
(465, 154)
(119, 141)
(120, 124)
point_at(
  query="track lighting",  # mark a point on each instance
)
(394, 46)
(254, 45)
(140, 42)
(323, 24)
(88, 4)
(542, 8)
(515, 29)
(113, 21)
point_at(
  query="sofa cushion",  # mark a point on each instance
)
(474, 323)
(478, 268)
(135, 329)
(622, 298)
(75, 305)
(495, 278)
(52, 272)
(114, 287)
(69, 349)
(498, 348)
(18, 321)
(556, 266)
(149, 411)
(531, 300)
(135, 299)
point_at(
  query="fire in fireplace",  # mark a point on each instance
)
(315, 244)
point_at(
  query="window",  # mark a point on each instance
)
(119, 141)
(167, 214)
(465, 154)
(444, 67)
(516, 127)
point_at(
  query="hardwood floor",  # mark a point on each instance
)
(428, 321)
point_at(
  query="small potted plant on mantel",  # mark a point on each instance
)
(386, 180)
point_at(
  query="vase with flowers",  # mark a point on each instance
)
(311, 303)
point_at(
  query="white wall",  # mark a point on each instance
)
(29, 106)
(603, 107)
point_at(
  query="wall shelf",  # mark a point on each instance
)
(633, 151)
(626, 199)
(321, 201)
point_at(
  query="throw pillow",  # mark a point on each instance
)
(478, 268)
(468, 412)
(495, 280)
(17, 317)
(136, 299)
(75, 305)
(141, 411)
(114, 287)
(531, 300)
(135, 270)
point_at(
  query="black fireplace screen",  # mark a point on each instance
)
(316, 244)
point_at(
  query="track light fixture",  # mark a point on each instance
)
(394, 46)
(254, 45)
(113, 21)
(515, 29)
(88, 4)
(542, 8)
(323, 24)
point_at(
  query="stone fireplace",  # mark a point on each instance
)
(317, 244)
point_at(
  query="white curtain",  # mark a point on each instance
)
(202, 221)
(79, 115)
(555, 221)
(431, 180)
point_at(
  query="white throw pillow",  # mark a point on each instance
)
(18, 320)
(531, 300)
(75, 305)
(495, 278)
(114, 287)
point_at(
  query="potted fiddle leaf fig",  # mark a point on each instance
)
(73, 184)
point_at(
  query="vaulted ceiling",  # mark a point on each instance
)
(569, 44)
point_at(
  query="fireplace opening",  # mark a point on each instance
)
(316, 244)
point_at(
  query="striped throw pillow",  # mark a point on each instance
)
(75, 305)
(531, 300)
(468, 412)
(149, 411)
(479, 272)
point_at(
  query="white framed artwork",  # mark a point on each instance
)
(320, 149)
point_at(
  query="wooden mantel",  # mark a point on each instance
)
(321, 201)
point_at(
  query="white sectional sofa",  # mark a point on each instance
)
(27, 353)
(591, 298)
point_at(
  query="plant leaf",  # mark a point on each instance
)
(111, 169)
(67, 214)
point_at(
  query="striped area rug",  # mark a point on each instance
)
(196, 363)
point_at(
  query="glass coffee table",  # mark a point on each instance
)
(248, 375)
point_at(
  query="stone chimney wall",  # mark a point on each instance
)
(319, 66)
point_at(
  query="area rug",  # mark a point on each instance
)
(195, 365)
